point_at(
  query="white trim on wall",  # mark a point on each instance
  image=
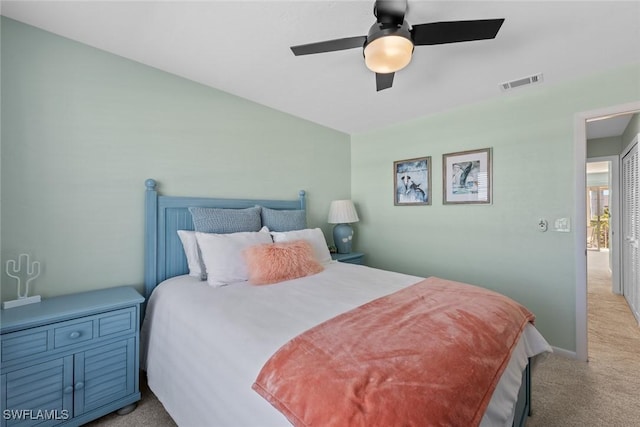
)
(567, 354)
(580, 159)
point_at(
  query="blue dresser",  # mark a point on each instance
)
(68, 360)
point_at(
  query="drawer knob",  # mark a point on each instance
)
(68, 390)
(79, 386)
(74, 334)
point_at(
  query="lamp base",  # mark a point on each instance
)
(342, 238)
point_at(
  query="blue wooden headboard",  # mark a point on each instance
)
(165, 215)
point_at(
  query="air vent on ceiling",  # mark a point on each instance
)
(536, 78)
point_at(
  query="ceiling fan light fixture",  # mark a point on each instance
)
(388, 54)
(388, 46)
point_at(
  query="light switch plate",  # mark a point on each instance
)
(562, 225)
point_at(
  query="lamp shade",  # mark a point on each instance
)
(342, 212)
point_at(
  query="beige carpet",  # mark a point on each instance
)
(603, 392)
(606, 390)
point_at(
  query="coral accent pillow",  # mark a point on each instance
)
(275, 262)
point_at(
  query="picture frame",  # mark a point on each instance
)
(412, 182)
(467, 177)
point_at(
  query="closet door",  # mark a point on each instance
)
(631, 229)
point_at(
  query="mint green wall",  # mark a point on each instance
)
(598, 179)
(81, 131)
(613, 146)
(498, 246)
(602, 147)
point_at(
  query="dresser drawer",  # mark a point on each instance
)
(58, 336)
(117, 322)
(17, 345)
(73, 333)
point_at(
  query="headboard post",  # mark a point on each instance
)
(150, 237)
(303, 199)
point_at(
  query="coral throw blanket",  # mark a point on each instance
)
(427, 355)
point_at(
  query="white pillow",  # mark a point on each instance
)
(190, 246)
(222, 255)
(312, 235)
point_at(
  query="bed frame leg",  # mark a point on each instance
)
(529, 388)
(523, 405)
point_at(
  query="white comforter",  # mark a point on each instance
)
(203, 347)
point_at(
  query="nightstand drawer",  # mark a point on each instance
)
(117, 322)
(72, 334)
(19, 344)
(353, 260)
(350, 258)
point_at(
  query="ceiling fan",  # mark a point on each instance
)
(389, 44)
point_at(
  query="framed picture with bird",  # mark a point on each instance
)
(466, 177)
(412, 181)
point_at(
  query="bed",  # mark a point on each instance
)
(204, 346)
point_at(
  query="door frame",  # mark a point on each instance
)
(626, 151)
(614, 224)
(580, 187)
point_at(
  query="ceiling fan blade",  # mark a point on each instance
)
(329, 45)
(384, 81)
(390, 11)
(455, 31)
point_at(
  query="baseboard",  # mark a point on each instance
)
(564, 353)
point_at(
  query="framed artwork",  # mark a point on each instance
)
(466, 177)
(412, 182)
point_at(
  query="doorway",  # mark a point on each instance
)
(580, 149)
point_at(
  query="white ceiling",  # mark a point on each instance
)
(242, 47)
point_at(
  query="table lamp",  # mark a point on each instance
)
(341, 213)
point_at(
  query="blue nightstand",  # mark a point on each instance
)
(350, 258)
(71, 358)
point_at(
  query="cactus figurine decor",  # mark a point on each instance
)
(31, 272)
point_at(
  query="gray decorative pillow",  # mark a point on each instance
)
(284, 220)
(223, 221)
